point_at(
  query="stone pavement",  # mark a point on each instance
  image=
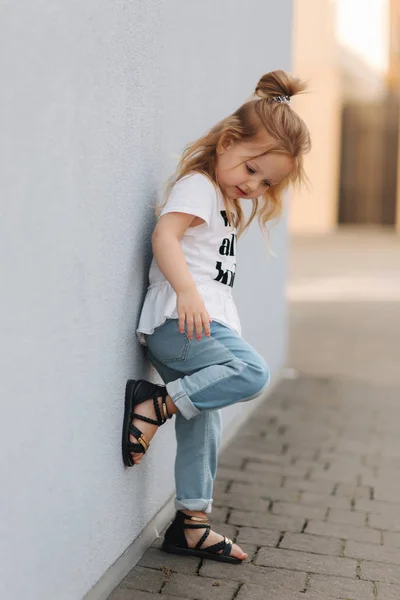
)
(311, 488)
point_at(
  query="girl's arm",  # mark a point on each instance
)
(171, 262)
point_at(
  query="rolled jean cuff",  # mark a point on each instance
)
(181, 400)
(194, 504)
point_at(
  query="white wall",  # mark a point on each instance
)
(97, 98)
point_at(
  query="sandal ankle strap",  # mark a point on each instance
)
(195, 519)
(162, 413)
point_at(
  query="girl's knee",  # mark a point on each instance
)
(258, 377)
(264, 375)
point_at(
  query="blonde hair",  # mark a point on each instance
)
(261, 112)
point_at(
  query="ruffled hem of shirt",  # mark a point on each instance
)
(160, 305)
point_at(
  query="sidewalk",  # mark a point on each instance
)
(311, 489)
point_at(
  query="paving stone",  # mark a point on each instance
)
(350, 490)
(157, 559)
(345, 471)
(357, 447)
(219, 487)
(260, 537)
(271, 454)
(381, 481)
(311, 543)
(326, 500)
(227, 473)
(303, 561)
(337, 515)
(258, 575)
(386, 491)
(302, 453)
(298, 510)
(218, 514)
(310, 466)
(384, 554)
(346, 532)
(133, 594)
(337, 458)
(293, 471)
(308, 596)
(341, 587)
(377, 507)
(377, 571)
(229, 459)
(386, 591)
(391, 539)
(243, 502)
(258, 445)
(388, 522)
(267, 521)
(200, 588)
(141, 578)
(335, 476)
(266, 492)
(373, 460)
(320, 486)
(315, 438)
(255, 592)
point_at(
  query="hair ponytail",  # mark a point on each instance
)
(278, 83)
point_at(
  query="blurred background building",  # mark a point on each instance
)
(393, 77)
(348, 50)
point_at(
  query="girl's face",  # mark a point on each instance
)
(243, 173)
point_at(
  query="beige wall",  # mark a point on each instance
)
(398, 189)
(314, 208)
(394, 76)
(394, 45)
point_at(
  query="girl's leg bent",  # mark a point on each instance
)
(202, 376)
(218, 370)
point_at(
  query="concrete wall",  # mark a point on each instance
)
(97, 100)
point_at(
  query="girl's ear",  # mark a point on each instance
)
(224, 144)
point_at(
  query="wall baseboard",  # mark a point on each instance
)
(120, 569)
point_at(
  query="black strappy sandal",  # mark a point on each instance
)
(137, 392)
(175, 540)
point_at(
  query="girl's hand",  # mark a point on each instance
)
(191, 308)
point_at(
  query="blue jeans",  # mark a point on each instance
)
(201, 377)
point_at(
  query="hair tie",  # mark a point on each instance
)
(280, 99)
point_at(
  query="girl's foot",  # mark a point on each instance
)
(194, 535)
(146, 409)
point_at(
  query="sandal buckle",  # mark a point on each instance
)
(198, 519)
(144, 442)
(165, 411)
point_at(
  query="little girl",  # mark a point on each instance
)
(189, 320)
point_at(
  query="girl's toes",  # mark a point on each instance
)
(238, 552)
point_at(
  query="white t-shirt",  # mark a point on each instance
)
(209, 251)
